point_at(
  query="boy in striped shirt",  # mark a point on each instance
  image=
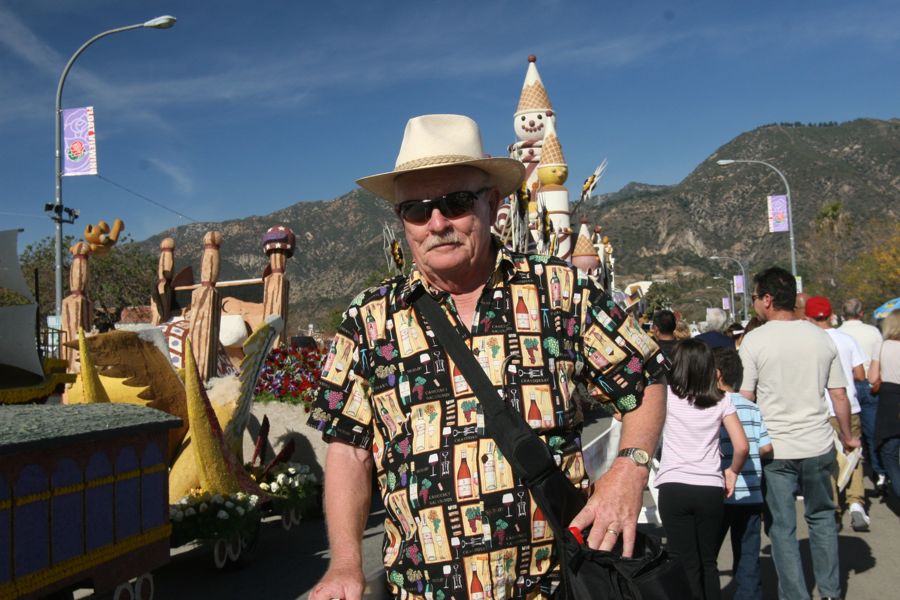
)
(744, 508)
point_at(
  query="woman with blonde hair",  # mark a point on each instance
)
(682, 330)
(884, 375)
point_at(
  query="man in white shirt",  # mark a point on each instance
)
(787, 363)
(818, 311)
(869, 339)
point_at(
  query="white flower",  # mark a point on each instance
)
(203, 507)
(264, 487)
(190, 512)
(292, 471)
(280, 479)
(240, 511)
(253, 500)
(184, 501)
(274, 487)
(229, 504)
(222, 515)
(240, 496)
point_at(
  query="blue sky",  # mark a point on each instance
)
(247, 107)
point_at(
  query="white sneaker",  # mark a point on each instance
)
(881, 482)
(859, 520)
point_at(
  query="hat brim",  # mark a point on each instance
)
(506, 174)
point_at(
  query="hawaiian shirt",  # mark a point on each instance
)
(459, 523)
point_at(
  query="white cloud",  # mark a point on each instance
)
(178, 174)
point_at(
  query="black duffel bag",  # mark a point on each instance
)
(651, 573)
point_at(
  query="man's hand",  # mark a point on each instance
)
(850, 443)
(346, 582)
(613, 508)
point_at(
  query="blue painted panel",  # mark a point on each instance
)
(66, 513)
(128, 495)
(5, 533)
(98, 503)
(154, 494)
(31, 551)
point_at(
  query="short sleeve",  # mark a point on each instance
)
(620, 359)
(750, 374)
(727, 406)
(836, 377)
(343, 407)
(859, 357)
(764, 438)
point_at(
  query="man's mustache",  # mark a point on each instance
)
(436, 240)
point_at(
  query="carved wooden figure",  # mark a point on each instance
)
(162, 299)
(205, 308)
(279, 243)
(77, 308)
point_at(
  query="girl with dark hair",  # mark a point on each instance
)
(691, 484)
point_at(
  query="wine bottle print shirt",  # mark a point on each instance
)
(459, 523)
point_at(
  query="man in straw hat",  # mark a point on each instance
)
(459, 522)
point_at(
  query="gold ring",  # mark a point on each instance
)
(612, 531)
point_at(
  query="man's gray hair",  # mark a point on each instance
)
(852, 308)
(715, 319)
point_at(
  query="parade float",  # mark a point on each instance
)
(537, 218)
(181, 416)
(26, 374)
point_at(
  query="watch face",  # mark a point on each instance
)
(640, 456)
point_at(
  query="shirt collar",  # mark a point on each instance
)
(504, 268)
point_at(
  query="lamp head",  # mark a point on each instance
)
(724, 161)
(163, 22)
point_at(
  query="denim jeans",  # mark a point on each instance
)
(890, 457)
(813, 476)
(868, 407)
(744, 522)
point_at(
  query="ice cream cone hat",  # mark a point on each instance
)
(534, 96)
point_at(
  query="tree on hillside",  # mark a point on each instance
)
(874, 275)
(827, 248)
(122, 278)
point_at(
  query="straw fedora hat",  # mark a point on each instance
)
(435, 141)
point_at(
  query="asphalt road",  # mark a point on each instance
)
(287, 564)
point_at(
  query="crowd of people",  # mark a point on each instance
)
(790, 401)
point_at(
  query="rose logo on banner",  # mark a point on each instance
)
(778, 216)
(81, 148)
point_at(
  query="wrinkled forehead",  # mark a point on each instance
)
(431, 183)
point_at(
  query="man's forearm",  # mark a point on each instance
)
(347, 500)
(641, 427)
(841, 405)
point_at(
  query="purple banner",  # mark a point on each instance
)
(79, 146)
(778, 214)
(726, 303)
(738, 284)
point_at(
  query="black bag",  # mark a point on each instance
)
(586, 574)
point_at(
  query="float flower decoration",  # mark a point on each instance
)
(290, 375)
(201, 515)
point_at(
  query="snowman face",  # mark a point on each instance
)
(531, 126)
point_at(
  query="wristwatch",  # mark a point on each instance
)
(639, 456)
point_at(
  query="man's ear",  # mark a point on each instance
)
(494, 203)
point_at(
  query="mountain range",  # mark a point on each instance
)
(657, 231)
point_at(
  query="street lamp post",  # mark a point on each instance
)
(730, 293)
(57, 210)
(743, 279)
(787, 188)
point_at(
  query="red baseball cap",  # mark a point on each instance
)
(818, 307)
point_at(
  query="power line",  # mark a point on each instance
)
(143, 197)
(15, 214)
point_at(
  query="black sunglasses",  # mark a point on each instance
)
(452, 206)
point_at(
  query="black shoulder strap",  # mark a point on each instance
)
(529, 457)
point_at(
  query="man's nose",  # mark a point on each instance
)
(437, 221)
